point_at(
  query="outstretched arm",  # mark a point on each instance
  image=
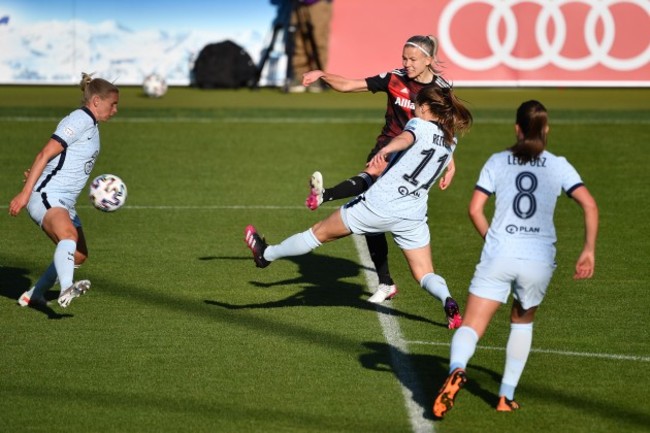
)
(587, 259)
(401, 142)
(336, 82)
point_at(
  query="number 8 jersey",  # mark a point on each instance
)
(526, 194)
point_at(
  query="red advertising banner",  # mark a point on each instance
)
(500, 42)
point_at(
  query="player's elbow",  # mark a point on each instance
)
(475, 212)
(589, 205)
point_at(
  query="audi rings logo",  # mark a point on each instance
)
(599, 39)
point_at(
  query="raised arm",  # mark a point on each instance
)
(587, 259)
(336, 82)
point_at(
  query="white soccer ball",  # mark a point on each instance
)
(154, 86)
(107, 192)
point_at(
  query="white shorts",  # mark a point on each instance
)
(407, 234)
(40, 203)
(528, 280)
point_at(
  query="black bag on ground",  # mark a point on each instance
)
(224, 65)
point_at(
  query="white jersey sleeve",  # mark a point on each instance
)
(68, 172)
(526, 196)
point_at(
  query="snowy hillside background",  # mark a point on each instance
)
(57, 51)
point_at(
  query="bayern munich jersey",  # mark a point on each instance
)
(403, 189)
(526, 194)
(68, 172)
(400, 107)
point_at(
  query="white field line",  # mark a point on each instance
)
(372, 283)
(208, 207)
(553, 352)
(326, 120)
(191, 207)
(399, 354)
(345, 120)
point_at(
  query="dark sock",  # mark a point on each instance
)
(378, 248)
(349, 188)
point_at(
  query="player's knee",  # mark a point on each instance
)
(80, 257)
(66, 234)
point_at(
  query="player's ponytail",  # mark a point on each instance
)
(452, 115)
(95, 86)
(532, 119)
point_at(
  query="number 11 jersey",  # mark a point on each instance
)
(402, 189)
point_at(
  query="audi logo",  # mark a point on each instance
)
(550, 46)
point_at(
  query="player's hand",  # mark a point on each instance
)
(448, 176)
(377, 164)
(585, 266)
(311, 77)
(446, 179)
(18, 203)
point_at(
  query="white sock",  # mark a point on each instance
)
(44, 283)
(64, 262)
(296, 245)
(463, 346)
(517, 351)
(436, 285)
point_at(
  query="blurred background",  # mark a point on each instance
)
(482, 43)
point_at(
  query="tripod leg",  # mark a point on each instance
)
(289, 49)
(280, 23)
(265, 56)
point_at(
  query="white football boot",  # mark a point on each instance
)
(384, 291)
(28, 298)
(74, 291)
(316, 189)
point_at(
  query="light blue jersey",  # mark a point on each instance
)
(526, 195)
(66, 174)
(403, 189)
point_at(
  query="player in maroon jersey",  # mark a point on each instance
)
(401, 87)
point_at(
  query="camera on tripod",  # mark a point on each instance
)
(292, 20)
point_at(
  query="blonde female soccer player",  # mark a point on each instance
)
(519, 250)
(53, 183)
(397, 201)
(419, 69)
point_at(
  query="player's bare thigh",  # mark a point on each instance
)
(419, 260)
(58, 225)
(331, 228)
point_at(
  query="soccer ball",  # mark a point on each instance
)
(154, 86)
(107, 192)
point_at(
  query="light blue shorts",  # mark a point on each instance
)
(40, 203)
(528, 280)
(407, 234)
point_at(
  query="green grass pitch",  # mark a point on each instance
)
(180, 332)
